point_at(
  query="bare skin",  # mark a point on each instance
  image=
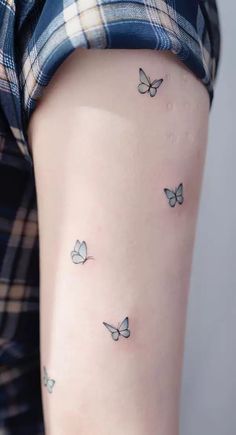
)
(103, 155)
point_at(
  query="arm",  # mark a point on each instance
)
(103, 155)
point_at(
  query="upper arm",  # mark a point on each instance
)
(103, 155)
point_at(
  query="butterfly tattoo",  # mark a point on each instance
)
(48, 382)
(146, 86)
(123, 329)
(79, 254)
(175, 196)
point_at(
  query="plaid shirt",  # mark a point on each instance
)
(35, 38)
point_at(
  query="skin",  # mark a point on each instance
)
(103, 153)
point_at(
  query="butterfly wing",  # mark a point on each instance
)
(172, 201)
(83, 250)
(154, 86)
(115, 335)
(114, 331)
(179, 194)
(180, 199)
(152, 92)
(76, 258)
(125, 333)
(156, 83)
(124, 324)
(144, 86)
(50, 385)
(144, 78)
(123, 328)
(77, 245)
(171, 197)
(110, 327)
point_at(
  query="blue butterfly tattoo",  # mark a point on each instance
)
(79, 253)
(48, 382)
(175, 196)
(146, 86)
(121, 330)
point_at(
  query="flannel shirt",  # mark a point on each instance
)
(36, 36)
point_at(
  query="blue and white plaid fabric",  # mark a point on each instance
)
(36, 36)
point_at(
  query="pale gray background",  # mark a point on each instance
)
(208, 404)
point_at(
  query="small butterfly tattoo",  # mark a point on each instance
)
(123, 329)
(175, 196)
(48, 382)
(146, 86)
(79, 254)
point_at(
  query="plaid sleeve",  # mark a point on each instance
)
(38, 35)
(20, 395)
